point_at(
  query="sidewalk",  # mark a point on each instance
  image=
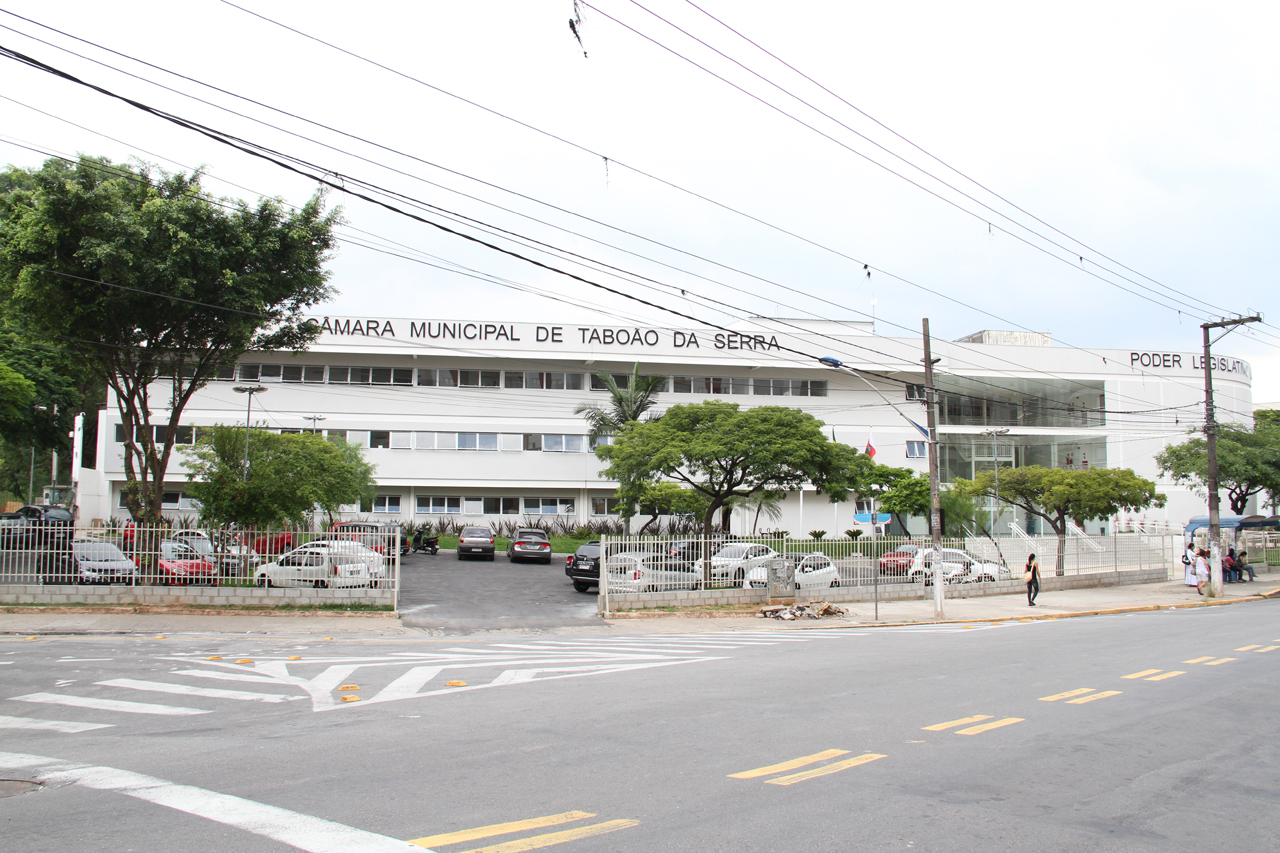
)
(1055, 605)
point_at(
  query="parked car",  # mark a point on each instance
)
(690, 550)
(277, 542)
(958, 566)
(475, 542)
(898, 561)
(87, 561)
(813, 571)
(42, 527)
(644, 571)
(317, 567)
(383, 537)
(583, 566)
(353, 552)
(530, 543)
(224, 549)
(734, 560)
(180, 564)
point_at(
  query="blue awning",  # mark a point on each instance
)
(865, 518)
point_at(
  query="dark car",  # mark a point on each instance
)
(529, 543)
(37, 527)
(583, 566)
(475, 542)
(898, 561)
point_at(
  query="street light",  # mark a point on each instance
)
(994, 434)
(248, 415)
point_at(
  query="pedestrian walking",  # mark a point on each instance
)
(1189, 564)
(1032, 577)
(1202, 570)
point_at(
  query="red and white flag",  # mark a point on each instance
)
(871, 447)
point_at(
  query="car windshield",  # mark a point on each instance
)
(170, 550)
(533, 534)
(347, 547)
(201, 546)
(589, 551)
(905, 549)
(733, 552)
(476, 533)
(100, 551)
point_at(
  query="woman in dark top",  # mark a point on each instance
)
(1032, 575)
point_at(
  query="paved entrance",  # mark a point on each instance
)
(444, 592)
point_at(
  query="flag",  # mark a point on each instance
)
(923, 431)
(871, 447)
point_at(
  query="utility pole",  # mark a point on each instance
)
(313, 419)
(248, 419)
(1211, 444)
(935, 502)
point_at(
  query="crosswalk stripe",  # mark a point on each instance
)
(941, 727)
(1199, 660)
(1055, 697)
(539, 841)
(107, 704)
(1249, 648)
(1142, 674)
(1267, 649)
(834, 767)
(499, 829)
(788, 765)
(1219, 661)
(188, 690)
(49, 725)
(1173, 673)
(986, 727)
(226, 676)
(1101, 695)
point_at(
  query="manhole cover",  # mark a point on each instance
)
(14, 787)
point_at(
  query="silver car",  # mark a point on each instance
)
(317, 567)
(101, 562)
(645, 571)
(958, 566)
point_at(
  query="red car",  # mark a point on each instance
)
(180, 564)
(898, 561)
(272, 543)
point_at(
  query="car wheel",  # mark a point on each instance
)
(546, 562)
(459, 555)
(492, 557)
(264, 582)
(320, 585)
(835, 582)
(581, 587)
(739, 575)
(650, 588)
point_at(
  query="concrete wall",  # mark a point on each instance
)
(225, 596)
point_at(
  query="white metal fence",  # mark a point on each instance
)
(32, 553)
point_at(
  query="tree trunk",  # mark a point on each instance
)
(1060, 568)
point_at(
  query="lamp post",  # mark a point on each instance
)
(995, 434)
(248, 416)
(314, 419)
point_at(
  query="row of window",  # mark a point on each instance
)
(405, 440)
(447, 505)
(759, 386)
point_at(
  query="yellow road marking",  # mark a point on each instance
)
(1142, 674)
(1220, 660)
(1249, 648)
(986, 727)
(1170, 674)
(1267, 649)
(1103, 695)
(537, 841)
(499, 829)
(1055, 697)
(940, 727)
(788, 765)
(1199, 660)
(834, 767)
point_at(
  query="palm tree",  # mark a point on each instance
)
(625, 404)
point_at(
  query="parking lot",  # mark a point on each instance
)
(443, 592)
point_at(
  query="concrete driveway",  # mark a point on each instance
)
(443, 592)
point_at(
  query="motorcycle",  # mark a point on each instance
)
(425, 544)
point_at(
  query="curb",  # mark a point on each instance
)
(194, 611)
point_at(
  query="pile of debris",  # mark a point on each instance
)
(801, 611)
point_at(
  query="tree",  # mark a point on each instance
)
(1248, 461)
(767, 503)
(626, 404)
(159, 286)
(900, 492)
(665, 498)
(722, 452)
(289, 476)
(1059, 496)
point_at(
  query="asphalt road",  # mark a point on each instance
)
(444, 593)
(1140, 732)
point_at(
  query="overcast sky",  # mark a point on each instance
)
(1148, 132)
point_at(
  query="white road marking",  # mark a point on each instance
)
(107, 704)
(226, 676)
(49, 725)
(81, 660)
(408, 684)
(312, 834)
(187, 690)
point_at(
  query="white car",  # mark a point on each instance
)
(645, 571)
(226, 550)
(317, 567)
(958, 566)
(735, 559)
(353, 552)
(813, 571)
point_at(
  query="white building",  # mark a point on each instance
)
(474, 419)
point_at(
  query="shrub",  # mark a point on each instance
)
(817, 534)
(853, 534)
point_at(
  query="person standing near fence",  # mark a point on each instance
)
(1189, 563)
(1202, 570)
(1032, 577)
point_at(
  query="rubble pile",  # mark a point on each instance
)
(801, 611)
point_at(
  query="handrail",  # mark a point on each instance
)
(1075, 530)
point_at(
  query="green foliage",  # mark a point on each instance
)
(155, 280)
(721, 452)
(1058, 495)
(817, 534)
(625, 404)
(289, 476)
(901, 492)
(959, 510)
(853, 533)
(767, 503)
(1248, 460)
(664, 498)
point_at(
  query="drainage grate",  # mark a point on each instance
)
(14, 787)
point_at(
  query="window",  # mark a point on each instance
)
(313, 373)
(401, 440)
(916, 450)
(360, 438)
(553, 381)
(510, 506)
(622, 380)
(479, 378)
(605, 506)
(601, 440)
(447, 378)
(184, 435)
(338, 375)
(439, 505)
(269, 372)
(507, 441)
(492, 506)
(379, 438)
(290, 432)
(513, 379)
(331, 434)
(477, 441)
(916, 392)
(473, 506)
(380, 375)
(548, 506)
(553, 443)
(501, 506)
(402, 376)
(533, 442)
(386, 503)
(809, 388)
(425, 441)
(426, 376)
(446, 441)
(226, 374)
(358, 375)
(291, 373)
